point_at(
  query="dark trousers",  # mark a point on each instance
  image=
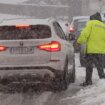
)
(97, 60)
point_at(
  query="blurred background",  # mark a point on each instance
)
(63, 9)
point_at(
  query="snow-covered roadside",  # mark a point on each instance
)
(40, 3)
(90, 95)
(7, 16)
(12, 1)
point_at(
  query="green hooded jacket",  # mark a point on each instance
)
(93, 35)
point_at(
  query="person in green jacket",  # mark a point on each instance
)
(93, 35)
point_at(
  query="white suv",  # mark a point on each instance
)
(35, 51)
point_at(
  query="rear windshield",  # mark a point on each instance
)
(24, 32)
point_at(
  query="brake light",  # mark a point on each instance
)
(22, 26)
(2, 48)
(51, 47)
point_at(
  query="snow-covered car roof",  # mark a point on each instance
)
(83, 20)
(77, 18)
(32, 21)
(80, 17)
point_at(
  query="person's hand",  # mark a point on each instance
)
(76, 46)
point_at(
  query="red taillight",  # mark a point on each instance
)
(22, 26)
(51, 47)
(2, 48)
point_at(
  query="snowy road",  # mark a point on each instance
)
(23, 99)
(74, 95)
(45, 98)
(42, 97)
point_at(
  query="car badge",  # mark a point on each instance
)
(21, 43)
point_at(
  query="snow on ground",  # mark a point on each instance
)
(23, 2)
(12, 1)
(7, 16)
(90, 95)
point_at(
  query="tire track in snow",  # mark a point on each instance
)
(24, 98)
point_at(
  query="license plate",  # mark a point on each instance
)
(22, 50)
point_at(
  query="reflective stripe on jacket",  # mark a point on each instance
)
(93, 35)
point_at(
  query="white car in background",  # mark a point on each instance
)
(76, 27)
(35, 51)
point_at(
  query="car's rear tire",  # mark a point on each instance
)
(63, 84)
(66, 77)
(72, 75)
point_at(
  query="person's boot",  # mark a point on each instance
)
(86, 83)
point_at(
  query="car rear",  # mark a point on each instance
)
(24, 48)
(30, 52)
(16, 43)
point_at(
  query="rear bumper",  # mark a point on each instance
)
(42, 74)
